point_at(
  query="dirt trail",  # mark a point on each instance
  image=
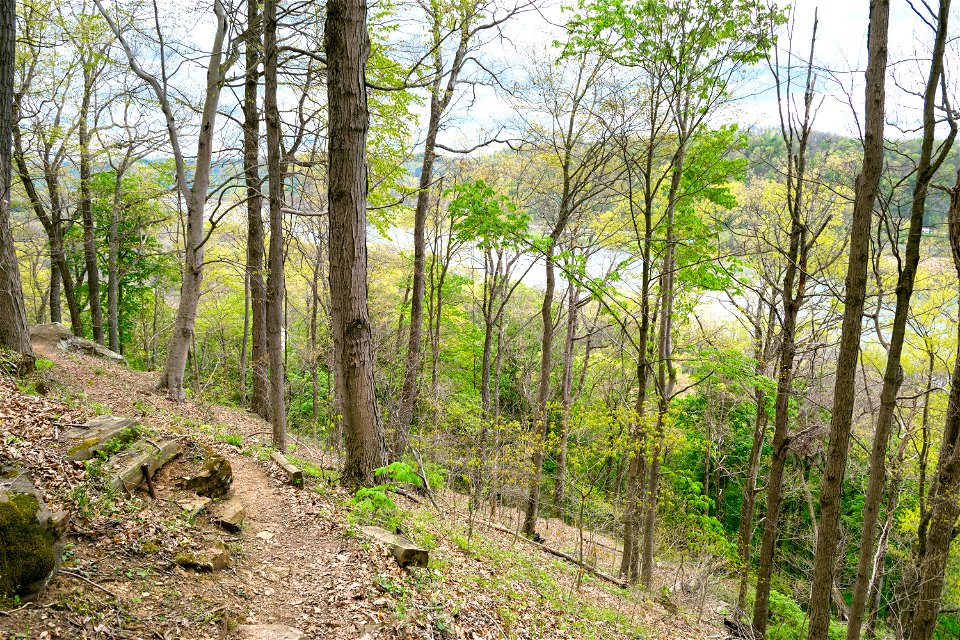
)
(294, 561)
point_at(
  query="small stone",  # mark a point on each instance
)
(229, 514)
(194, 504)
(213, 558)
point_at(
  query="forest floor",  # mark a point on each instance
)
(297, 560)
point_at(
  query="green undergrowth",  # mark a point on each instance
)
(525, 593)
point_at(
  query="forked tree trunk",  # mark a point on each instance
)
(195, 194)
(13, 314)
(348, 47)
(844, 394)
(792, 293)
(53, 225)
(275, 281)
(893, 373)
(259, 396)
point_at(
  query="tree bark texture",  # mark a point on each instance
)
(13, 315)
(276, 286)
(347, 47)
(893, 373)
(844, 394)
(259, 396)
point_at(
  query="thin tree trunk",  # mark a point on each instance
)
(893, 374)
(543, 394)
(666, 374)
(244, 342)
(56, 315)
(113, 264)
(938, 526)
(793, 292)
(831, 485)
(314, 351)
(13, 315)
(348, 47)
(566, 394)
(260, 384)
(86, 209)
(440, 97)
(636, 465)
(761, 341)
(276, 325)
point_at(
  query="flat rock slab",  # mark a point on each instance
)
(125, 469)
(194, 505)
(405, 552)
(212, 558)
(229, 514)
(101, 434)
(267, 632)
(59, 335)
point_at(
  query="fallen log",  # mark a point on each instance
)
(560, 554)
(130, 468)
(294, 474)
(405, 552)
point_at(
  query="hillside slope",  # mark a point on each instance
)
(297, 560)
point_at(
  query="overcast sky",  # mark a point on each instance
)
(840, 59)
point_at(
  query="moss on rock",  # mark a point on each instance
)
(30, 539)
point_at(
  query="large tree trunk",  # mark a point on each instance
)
(275, 281)
(13, 314)
(348, 47)
(844, 398)
(259, 397)
(893, 373)
(86, 208)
